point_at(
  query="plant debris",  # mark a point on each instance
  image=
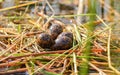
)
(41, 44)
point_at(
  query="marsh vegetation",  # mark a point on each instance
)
(59, 37)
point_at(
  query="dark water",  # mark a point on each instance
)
(8, 3)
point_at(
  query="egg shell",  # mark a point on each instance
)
(55, 30)
(62, 43)
(44, 40)
(67, 34)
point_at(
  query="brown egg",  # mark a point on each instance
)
(67, 34)
(55, 30)
(44, 40)
(62, 43)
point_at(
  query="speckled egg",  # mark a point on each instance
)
(44, 40)
(55, 30)
(67, 34)
(62, 43)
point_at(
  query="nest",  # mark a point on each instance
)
(21, 50)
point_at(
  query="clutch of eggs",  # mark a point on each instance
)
(55, 39)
